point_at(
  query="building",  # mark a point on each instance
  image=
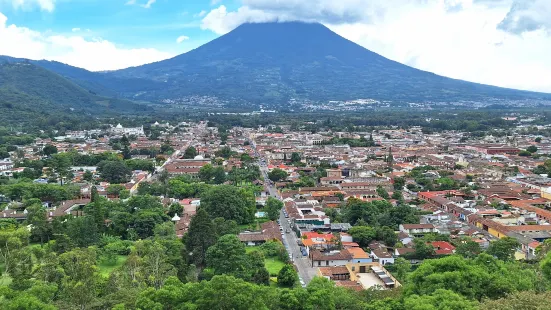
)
(360, 276)
(120, 130)
(269, 231)
(418, 230)
(332, 258)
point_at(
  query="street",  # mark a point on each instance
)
(305, 271)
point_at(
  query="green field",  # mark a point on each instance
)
(272, 264)
(105, 269)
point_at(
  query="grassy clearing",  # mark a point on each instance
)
(272, 264)
(106, 269)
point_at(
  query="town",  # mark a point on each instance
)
(361, 209)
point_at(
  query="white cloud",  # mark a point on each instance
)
(181, 39)
(221, 21)
(149, 3)
(200, 14)
(75, 29)
(44, 5)
(457, 38)
(92, 54)
(215, 2)
(145, 5)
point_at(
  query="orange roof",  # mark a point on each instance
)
(358, 253)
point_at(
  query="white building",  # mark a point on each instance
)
(120, 130)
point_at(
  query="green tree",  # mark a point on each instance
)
(519, 300)
(295, 157)
(363, 235)
(468, 249)
(12, 242)
(261, 276)
(439, 300)
(190, 153)
(156, 267)
(49, 150)
(532, 149)
(88, 176)
(41, 229)
(115, 189)
(114, 171)
(398, 196)
(83, 231)
(61, 165)
(399, 183)
(230, 203)
(287, 276)
(402, 266)
(273, 208)
(504, 248)
(545, 266)
(387, 235)
(277, 175)
(382, 192)
(422, 249)
(228, 256)
(200, 236)
(175, 209)
(224, 152)
(81, 278)
(225, 227)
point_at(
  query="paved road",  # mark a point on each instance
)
(305, 271)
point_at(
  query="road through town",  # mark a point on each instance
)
(290, 240)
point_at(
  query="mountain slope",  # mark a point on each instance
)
(272, 62)
(28, 91)
(98, 83)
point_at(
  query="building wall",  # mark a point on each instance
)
(332, 263)
(496, 233)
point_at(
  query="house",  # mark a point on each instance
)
(442, 248)
(370, 275)
(403, 251)
(269, 231)
(333, 258)
(359, 255)
(339, 273)
(418, 230)
(6, 165)
(404, 238)
(382, 256)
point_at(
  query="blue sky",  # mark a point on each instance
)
(498, 42)
(129, 25)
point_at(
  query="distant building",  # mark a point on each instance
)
(120, 130)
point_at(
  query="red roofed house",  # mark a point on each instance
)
(443, 248)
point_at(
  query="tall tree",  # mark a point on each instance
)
(190, 153)
(287, 276)
(41, 229)
(273, 208)
(200, 236)
(229, 202)
(504, 248)
(61, 165)
(49, 150)
(277, 175)
(228, 256)
(114, 171)
(81, 277)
